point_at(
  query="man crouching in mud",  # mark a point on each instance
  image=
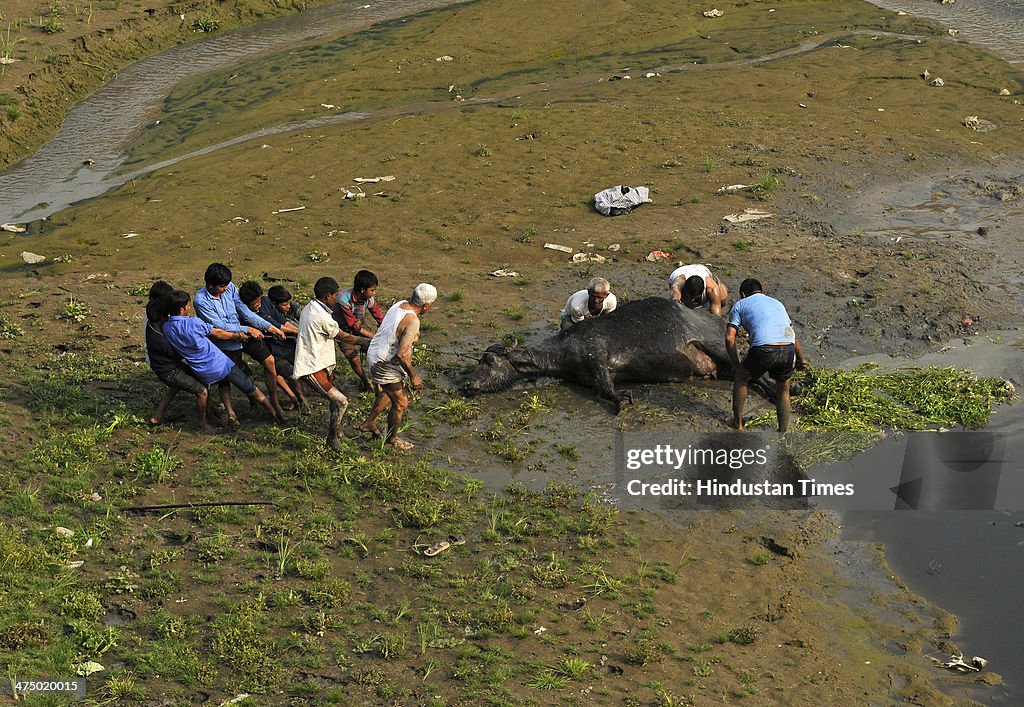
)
(773, 349)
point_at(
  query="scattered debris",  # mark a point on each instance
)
(284, 211)
(980, 124)
(926, 74)
(353, 194)
(88, 163)
(556, 246)
(953, 32)
(13, 228)
(614, 247)
(656, 255)
(732, 189)
(587, 257)
(936, 82)
(651, 75)
(539, 631)
(620, 199)
(328, 105)
(957, 663)
(504, 272)
(747, 215)
(445, 58)
(64, 532)
(245, 695)
(131, 234)
(240, 219)
(712, 13)
(87, 668)
(1004, 92)
(74, 564)
(32, 258)
(374, 180)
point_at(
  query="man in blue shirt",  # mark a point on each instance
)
(219, 304)
(773, 349)
(189, 337)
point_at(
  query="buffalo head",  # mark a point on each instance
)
(494, 372)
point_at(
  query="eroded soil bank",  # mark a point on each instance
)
(706, 613)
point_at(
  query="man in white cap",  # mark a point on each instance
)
(390, 361)
(594, 301)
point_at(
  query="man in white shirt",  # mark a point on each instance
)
(594, 301)
(695, 286)
(315, 355)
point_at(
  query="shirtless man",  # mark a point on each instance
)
(390, 360)
(695, 286)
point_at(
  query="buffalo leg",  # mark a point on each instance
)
(602, 381)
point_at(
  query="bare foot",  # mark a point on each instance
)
(372, 431)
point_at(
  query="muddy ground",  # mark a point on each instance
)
(482, 187)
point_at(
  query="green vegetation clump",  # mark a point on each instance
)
(908, 399)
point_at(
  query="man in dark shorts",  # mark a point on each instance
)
(167, 363)
(219, 304)
(774, 349)
(190, 336)
(277, 312)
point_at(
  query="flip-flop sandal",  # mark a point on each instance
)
(441, 545)
(437, 548)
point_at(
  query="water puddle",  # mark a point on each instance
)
(982, 210)
(996, 24)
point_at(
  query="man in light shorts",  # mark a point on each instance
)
(594, 301)
(695, 286)
(315, 355)
(390, 360)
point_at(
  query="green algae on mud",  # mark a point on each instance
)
(81, 47)
(469, 52)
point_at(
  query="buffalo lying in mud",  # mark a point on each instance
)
(652, 340)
